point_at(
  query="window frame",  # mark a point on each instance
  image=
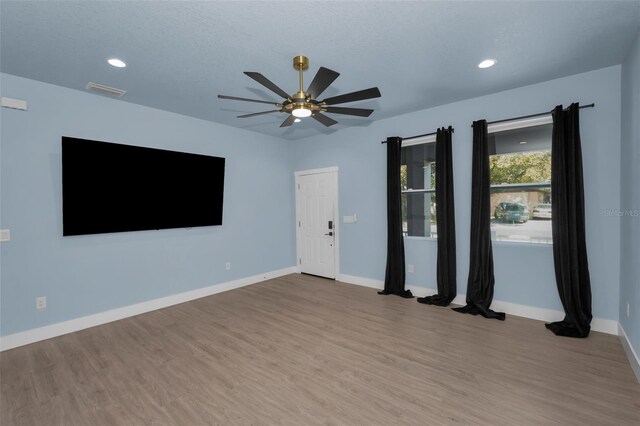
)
(517, 125)
(423, 140)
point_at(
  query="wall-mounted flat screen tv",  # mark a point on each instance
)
(108, 187)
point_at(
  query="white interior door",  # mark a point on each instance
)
(316, 213)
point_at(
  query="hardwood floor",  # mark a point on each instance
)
(301, 350)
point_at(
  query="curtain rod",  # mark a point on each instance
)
(540, 114)
(422, 136)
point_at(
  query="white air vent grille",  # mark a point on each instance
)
(105, 90)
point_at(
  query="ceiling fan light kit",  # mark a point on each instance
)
(301, 112)
(304, 103)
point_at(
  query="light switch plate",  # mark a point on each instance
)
(5, 235)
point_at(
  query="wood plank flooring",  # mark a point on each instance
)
(301, 350)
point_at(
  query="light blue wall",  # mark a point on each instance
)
(524, 273)
(630, 196)
(89, 274)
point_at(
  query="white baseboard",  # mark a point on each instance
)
(634, 360)
(365, 282)
(548, 315)
(37, 334)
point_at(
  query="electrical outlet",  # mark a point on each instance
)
(5, 235)
(410, 268)
(227, 266)
(628, 310)
(41, 303)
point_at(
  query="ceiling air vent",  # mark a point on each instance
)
(105, 90)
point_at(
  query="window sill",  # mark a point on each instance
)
(493, 242)
(421, 238)
(520, 243)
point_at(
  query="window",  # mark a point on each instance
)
(520, 164)
(418, 181)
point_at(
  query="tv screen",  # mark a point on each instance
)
(108, 187)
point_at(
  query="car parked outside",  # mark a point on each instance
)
(542, 211)
(511, 212)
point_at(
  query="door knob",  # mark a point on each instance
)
(329, 234)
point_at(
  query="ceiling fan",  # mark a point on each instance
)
(305, 104)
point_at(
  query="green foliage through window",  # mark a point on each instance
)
(522, 167)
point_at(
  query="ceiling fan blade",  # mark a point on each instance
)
(327, 121)
(360, 95)
(360, 112)
(234, 98)
(267, 83)
(258, 113)
(289, 121)
(324, 77)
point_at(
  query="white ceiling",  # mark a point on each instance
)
(420, 54)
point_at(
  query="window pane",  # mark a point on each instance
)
(522, 215)
(417, 169)
(417, 173)
(520, 184)
(419, 215)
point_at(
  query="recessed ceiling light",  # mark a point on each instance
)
(487, 63)
(297, 120)
(115, 62)
(523, 142)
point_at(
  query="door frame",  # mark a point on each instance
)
(336, 216)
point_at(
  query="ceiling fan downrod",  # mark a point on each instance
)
(300, 63)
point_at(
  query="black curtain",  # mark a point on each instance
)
(567, 221)
(395, 274)
(481, 279)
(445, 219)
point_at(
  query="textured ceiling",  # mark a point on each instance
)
(420, 54)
